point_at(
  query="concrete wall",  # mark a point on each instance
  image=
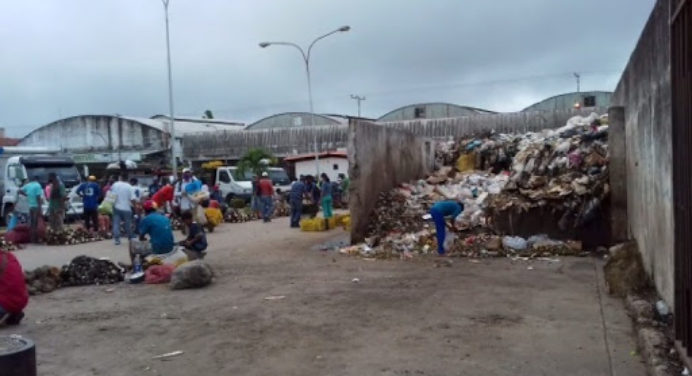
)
(381, 158)
(283, 142)
(645, 93)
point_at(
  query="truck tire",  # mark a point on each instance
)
(17, 356)
(9, 208)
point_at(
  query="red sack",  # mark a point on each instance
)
(158, 274)
(18, 236)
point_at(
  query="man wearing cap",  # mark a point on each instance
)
(90, 193)
(266, 189)
(160, 232)
(182, 192)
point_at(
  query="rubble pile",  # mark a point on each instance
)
(84, 270)
(564, 170)
(42, 280)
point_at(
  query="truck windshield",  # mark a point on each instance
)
(279, 177)
(247, 176)
(67, 174)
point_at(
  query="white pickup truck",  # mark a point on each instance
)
(233, 185)
(19, 163)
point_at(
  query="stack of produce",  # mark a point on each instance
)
(84, 270)
(69, 236)
(42, 280)
(234, 215)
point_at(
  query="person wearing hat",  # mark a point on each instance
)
(184, 189)
(158, 228)
(90, 192)
(266, 189)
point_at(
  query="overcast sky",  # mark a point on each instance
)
(60, 58)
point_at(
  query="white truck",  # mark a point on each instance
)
(19, 163)
(233, 185)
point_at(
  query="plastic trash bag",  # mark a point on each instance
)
(514, 242)
(450, 238)
(193, 274)
(158, 274)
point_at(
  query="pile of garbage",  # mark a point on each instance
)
(84, 270)
(564, 170)
(77, 235)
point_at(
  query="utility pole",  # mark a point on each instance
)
(358, 99)
(578, 77)
(174, 161)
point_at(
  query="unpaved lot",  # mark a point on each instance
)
(495, 317)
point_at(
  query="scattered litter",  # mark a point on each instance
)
(355, 280)
(662, 308)
(275, 297)
(169, 355)
(529, 268)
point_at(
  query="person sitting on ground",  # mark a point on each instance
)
(13, 293)
(439, 211)
(160, 232)
(196, 242)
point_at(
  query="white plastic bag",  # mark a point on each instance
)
(514, 242)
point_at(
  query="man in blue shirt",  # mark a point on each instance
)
(159, 229)
(34, 194)
(439, 211)
(296, 201)
(90, 192)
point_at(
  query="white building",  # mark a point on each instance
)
(332, 163)
(101, 139)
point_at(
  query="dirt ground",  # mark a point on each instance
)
(493, 317)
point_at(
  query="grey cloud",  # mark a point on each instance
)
(68, 57)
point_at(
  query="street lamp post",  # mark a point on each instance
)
(306, 60)
(174, 162)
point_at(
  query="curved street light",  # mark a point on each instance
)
(306, 60)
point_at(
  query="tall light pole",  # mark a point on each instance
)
(578, 77)
(358, 99)
(174, 162)
(306, 60)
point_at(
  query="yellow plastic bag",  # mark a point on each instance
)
(466, 162)
(315, 224)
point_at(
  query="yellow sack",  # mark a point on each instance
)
(466, 162)
(214, 216)
(315, 224)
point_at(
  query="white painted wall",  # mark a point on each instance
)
(326, 165)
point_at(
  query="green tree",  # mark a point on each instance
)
(256, 160)
(208, 115)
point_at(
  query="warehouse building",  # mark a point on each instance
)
(579, 100)
(97, 140)
(431, 111)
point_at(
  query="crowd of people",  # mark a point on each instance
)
(145, 219)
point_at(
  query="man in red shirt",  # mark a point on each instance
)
(13, 294)
(266, 189)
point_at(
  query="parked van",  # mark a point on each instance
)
(233, 185)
